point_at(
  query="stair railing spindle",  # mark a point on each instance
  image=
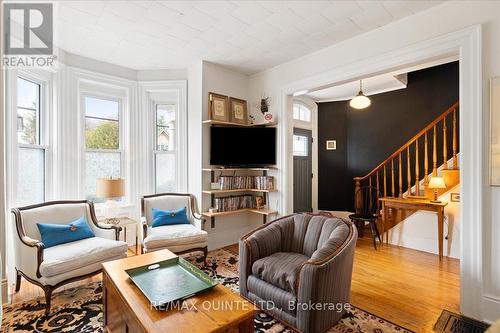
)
(434, 153)
(455, 162)
(445, 146)
(393, 191)
(385, 183)
(417, 170)
(400, 178)
(408, 171)
(426, 160)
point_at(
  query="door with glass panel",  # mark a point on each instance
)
(302, 170)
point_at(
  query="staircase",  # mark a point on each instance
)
(406, 173)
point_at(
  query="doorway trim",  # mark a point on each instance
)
(466, 44)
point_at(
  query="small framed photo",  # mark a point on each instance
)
(238, 109)
(331, 144)
(218, 107)
(455, 197)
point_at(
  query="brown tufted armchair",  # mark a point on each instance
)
(299, 268)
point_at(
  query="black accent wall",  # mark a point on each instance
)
(367, 137)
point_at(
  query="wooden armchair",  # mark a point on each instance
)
(50, 268)
(179, 238)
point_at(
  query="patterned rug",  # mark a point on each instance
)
(79, 309)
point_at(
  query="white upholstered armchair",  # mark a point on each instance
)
(178, 238)
(52, 267)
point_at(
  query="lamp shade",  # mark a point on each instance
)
(360, 101)
(437, 182)
(110, 188)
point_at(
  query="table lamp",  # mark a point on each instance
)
(110, 188)
(435, 184)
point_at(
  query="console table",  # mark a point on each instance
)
(418, 204)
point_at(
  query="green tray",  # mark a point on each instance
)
(170, 280)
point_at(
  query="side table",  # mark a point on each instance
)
(124, 222)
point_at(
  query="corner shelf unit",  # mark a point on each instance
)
(263, 211)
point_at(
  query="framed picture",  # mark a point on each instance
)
(455, 197)
(331, 144)
(238, 109)
(218, 107)
(495, 132)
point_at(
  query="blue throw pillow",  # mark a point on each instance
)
(169, 217)
(55, 234)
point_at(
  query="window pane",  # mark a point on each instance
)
(100, 165)
(165, 127)
(28, 112)
(301, 112)
(27, 127)
(299, 145)
(101, 108)
(101, 134)
(27, 94)
(296, 113)
(165, 173)
(30, 176)
(101, 124)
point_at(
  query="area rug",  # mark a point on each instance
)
(449, 322)
(79, 309)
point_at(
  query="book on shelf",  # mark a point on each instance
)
(224, 204)
(246, 182)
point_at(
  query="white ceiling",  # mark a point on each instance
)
(248, 36)
(373, 85)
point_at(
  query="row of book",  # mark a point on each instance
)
(225, 204)
(246, 182)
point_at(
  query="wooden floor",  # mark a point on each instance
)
(407, 287)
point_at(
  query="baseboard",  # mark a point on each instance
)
(491, 308)
(5, 291)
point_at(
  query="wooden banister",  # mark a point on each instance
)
(397, 153)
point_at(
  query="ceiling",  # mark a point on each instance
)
(373, 85)
(248, 36)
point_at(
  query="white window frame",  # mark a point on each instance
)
(83, 94)
(44, 80)
(298, 120)
(147, 102)
(157, 152)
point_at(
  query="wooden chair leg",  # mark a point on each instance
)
(378, 233)
(374, 234)
(18, 281)
(48, 295)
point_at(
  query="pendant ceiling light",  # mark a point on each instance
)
(360, 101)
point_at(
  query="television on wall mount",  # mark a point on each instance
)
(242, 146)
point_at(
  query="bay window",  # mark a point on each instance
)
(31, 143)
(165, 149)
(103, 154)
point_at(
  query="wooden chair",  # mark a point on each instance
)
(367, 209)
(180, 238)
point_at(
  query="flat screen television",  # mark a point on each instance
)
(242, 146)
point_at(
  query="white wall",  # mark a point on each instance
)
(448, 17)
(419, 230)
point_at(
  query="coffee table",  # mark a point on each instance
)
(126, 309)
